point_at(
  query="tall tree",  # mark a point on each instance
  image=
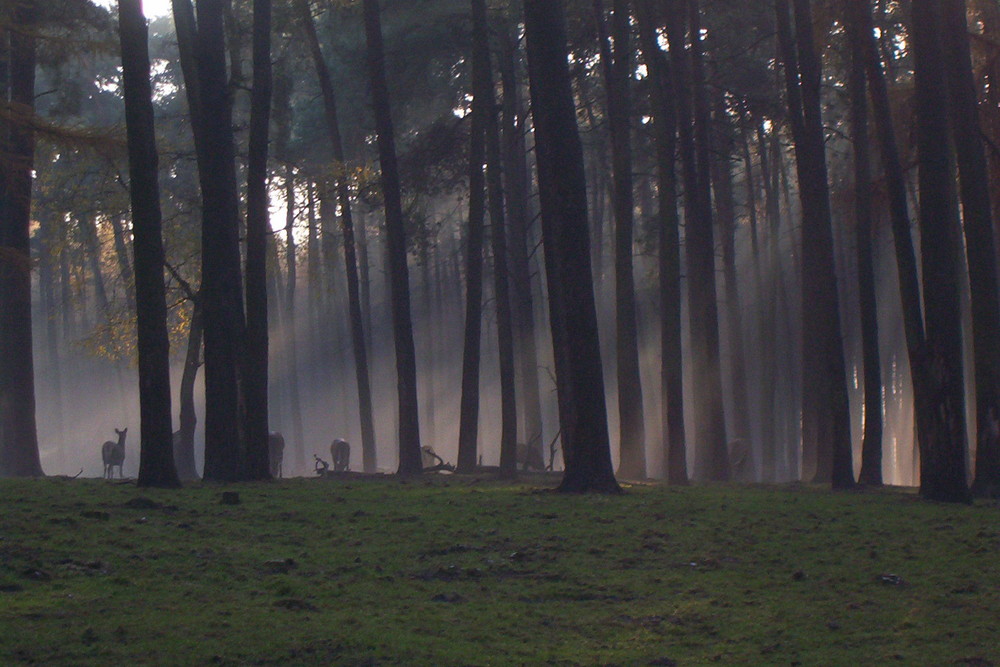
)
(980, 244)
(498, 243)
(572, 309)
(399, 280)
(943, 447)
(258, 230)
(19, 456)
(516, 193)
(156, 457)
(618, 70)
(468, 425)
(826, 414)
(202, 45)
(665, 129)
(711, 453)
(871, 446)
(350, 245)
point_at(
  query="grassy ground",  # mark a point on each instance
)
(467, 571)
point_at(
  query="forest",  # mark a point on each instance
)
(678, 240)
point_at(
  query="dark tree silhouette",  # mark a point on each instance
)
(943, 443)
(399, 280)
(258, 231)
(19, 455)
(156, 455)
(572, 311)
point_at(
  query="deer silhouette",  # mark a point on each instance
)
(113, 454)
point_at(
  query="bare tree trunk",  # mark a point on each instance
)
(258, 230)
(399, 281)
(92, 250)
(871, 447)
(617, 73)
(468, 428)
(202, 47)
(943, 444)
(711, 454)
(290, 325)
(671, 368)
(19, 455)
(725, 206)
(516, 174)
(826, 414)
(980, 244)
(498, 237)
(156, 457)
(184, 443)
(563, 196)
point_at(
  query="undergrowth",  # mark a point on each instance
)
(467, 571)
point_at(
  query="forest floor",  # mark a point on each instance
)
(452, 570)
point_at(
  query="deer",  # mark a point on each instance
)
(275, 453)
(113, 454)
(340, 451)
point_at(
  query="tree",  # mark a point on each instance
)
(711, 453)
(498, 242)
(825, 416)
(871, 446)
(665, 128)
(19, 456)
(399, 281)
(202, 46)
(618, 69)
(350, 246)
(943, 444)
(258, 230)
(980, 244)
(156, 458)
(572, 311)
(468, 425)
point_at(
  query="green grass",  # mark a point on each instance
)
(467, 571)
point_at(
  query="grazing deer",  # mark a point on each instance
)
(113, 454)
(340, 451)
(275, 453)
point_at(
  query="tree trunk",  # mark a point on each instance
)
(943, 447)
(92, 251)
(572, 310)
(617, 74)
(725, 206)
(498, 237)
(156, 457)
(19, 455)
(203, 61)
(671, 368)
(516, 175)
(258, 230)
(290, 328)
(979, 243)
(399, 281)
(826, 413)
(468, 427)
(711, 455)
(871, 447)
(184, 442)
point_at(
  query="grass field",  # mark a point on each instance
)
(468, 571)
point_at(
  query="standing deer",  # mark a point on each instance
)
(113, 454)
(275, 453)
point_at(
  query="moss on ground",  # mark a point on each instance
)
(468, 571)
